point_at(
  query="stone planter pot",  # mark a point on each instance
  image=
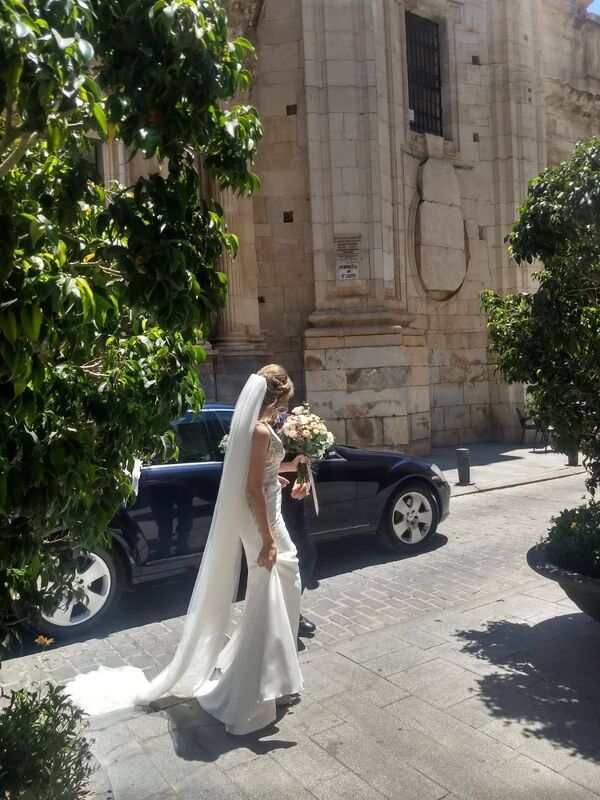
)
(583, 591)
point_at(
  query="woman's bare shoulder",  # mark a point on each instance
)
(262, 432)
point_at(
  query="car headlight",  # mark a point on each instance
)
(437, 471)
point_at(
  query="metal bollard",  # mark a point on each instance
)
(464, 466)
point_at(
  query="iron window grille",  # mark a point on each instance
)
(424, 75)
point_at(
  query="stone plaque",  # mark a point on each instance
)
(347, 258)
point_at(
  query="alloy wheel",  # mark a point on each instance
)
(94, 577)
(412, 516)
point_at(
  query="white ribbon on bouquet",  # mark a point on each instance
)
(313, 489)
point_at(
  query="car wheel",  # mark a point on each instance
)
(410, 519)
(101, 575)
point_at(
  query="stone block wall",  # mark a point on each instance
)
(282, 209)
(392, 348)
(371, 386)
(571, 77)
(455, 175)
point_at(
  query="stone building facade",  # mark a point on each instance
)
(399, 139)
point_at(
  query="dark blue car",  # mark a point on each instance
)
(399, 499)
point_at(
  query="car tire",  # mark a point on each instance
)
(103, 575)
(410, 519)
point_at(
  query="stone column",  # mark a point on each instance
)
(366, 367)
(237, 341)
(518, 155)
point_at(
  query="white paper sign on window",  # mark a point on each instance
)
(347, 258)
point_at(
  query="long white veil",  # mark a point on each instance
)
(209, 612)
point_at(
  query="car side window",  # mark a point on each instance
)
(194, 439)
(222, 417)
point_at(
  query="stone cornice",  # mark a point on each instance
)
(367, 319)
(563, 96)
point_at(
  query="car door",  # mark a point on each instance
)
(175, 503)
(336, 492)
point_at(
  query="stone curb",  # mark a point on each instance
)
(473, 488)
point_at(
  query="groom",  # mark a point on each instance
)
(294, 514)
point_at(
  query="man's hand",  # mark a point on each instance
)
(300, 490)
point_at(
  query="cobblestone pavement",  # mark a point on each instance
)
(363, 588)
(456, 673)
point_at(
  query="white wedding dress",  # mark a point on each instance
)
(236, 671)
(260, 662)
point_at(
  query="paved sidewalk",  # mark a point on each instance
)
(457, 673)
(498, 466)
(493, 697)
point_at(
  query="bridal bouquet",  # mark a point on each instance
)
(305, 434)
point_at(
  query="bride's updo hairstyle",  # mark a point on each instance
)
(279, 388)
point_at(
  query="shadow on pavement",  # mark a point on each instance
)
(169, 599)
(547, 683)
(481, 455)
(358, 552)
(198, 737)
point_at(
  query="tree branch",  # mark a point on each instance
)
(19, 151)
(9, 133)
(112, 273)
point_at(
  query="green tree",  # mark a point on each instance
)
(549, 339)
(104, 293)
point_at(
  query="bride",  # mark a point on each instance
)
(239, 673)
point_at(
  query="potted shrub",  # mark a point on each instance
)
(549, 340)
(570, 555)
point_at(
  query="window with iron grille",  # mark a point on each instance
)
(424, 75)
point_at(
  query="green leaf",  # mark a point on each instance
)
(244, 43)
(37, 228)
(31, 321)
(3, 489)
(62, 42)
(62, 252)
(8, 325)
(21, 29)
(35, 566)
(86, 50)
(13, 70)
(92, 87)
(54, 136)
(100, 117)
(87, 296)
(45, 92)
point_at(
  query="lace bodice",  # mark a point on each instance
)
(275, 455)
